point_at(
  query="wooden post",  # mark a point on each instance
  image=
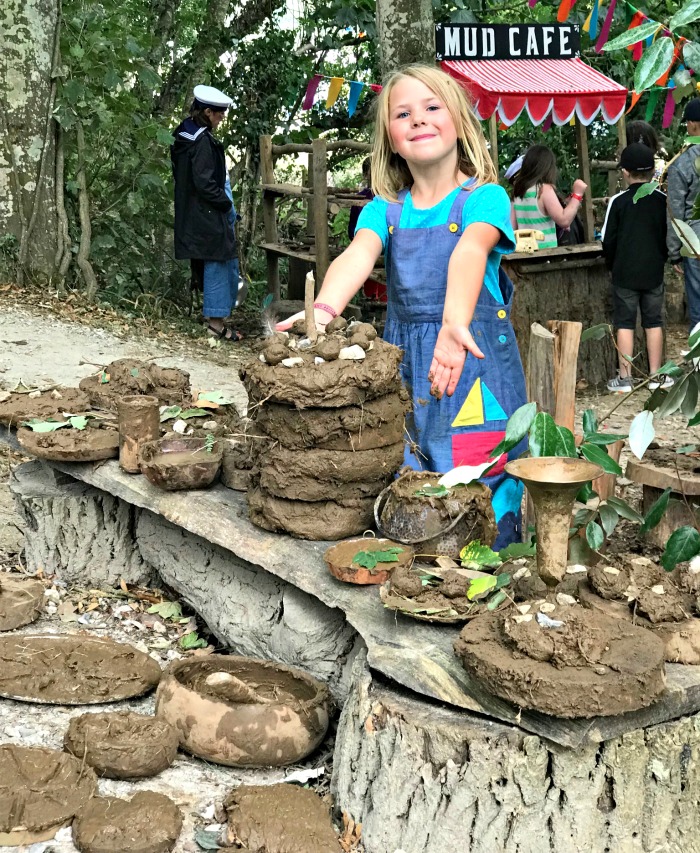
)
(320, 202)
(567, 337)
(540, 369)
(267, 172)
(621, 134)
(585, 172)
(309, 315)
(493, 139)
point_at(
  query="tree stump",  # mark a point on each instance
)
(82, 534)
(250, 609)
(422, 778)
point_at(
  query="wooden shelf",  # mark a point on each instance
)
(287, 252)
(286, 189)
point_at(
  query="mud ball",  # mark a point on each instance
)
(275, 352)
(328, 348)
(529, 587)
(689, 581)
(609, 582)
(405, 582)
(337, 324)
(357, 338)
(298, 327)
(121, 744)
(455, 585)
(366, 329)
(147, 823)
(664, 603)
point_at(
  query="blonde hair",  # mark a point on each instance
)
(390, 172)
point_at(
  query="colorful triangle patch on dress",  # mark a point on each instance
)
(472, 411)
(493, 411)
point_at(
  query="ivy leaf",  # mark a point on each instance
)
(502, 580)
(365, 559)
(544, 436)
(600, 457)
(642, 433)
(624, 509)
(516, 550)
(656, 512)
(596, 333)
(475, 555)
(644, 190)
(517, 428)
(654, 63)
(632, 36)
(166, 610)
(683, 544)
(191, 641)
(432, 492)
(687, 14)
(480, 586)
(594, 535)
(134, 371)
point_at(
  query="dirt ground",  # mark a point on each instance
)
(46, 341)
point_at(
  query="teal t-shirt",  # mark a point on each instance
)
(488, 203)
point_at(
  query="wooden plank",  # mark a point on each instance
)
(320, 208)
(337, 145)
(585, 172)
(416, 655)
(567, 337)
(540, 369)
(493, 139)
(267, 172)
(284, 190)
(659, 477)
(560, 252)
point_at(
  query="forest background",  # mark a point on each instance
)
(90, 93)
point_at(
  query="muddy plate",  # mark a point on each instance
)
(73, 670)
(340, 560)
(71, 445)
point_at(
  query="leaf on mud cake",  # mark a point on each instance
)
(192, 413)
(37, 425)
(475, 555)
(369, 559)
(481, 586)
(104, 377)
(217, 397)
(434, 611)
(169, 412)
(207, 840)
(432, 492)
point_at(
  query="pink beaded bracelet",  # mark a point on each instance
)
(327, 308)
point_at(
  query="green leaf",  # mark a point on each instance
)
(656, 512)
(479, 586)
(164, 137)
(566, 443)
(624, 509)
(669, 369)
(544, 436)
(608, 518)
(166, 610)
(645, 190)
(516, 550)
(691, 396)
(192, 413)
(78, 422)
(134, 371)
(502, 580)
(516, 429)
(687, 236)
(603, 438)
(687, 14)
(585, 493)
(216, 397)
(496, 600)
(642, 433)
(366, 559)
(594, 535)
(474, 555)
(600, 457)
(104, 377)
(691, 55)
(590, 422)
(207, 840)
(632, 36)
(655, 61)
(683, 544)
(44, 426)
(675, 397)
(596, 333)
(170, 412)
(695, 420)
(191, 641)
(432, 492)
(687, 448)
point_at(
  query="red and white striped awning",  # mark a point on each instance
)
(562, 87)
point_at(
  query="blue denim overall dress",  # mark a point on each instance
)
(464, 428)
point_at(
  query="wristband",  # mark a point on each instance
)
(327, 308)
(577, 196)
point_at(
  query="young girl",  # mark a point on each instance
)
(536, 204)
(443, 223)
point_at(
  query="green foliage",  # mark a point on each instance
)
(683, 544)
(432, 492)
(370, 559)
(192, 640)
(517, 428)
(656, 512)
(167, 610)
(474, 555)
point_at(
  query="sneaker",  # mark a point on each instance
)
(620, 385)
(662, 382)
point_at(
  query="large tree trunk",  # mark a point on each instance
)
(28, 57)
(406, 33)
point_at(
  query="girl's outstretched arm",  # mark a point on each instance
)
(465, 278)
(344, 278)
(563, 216)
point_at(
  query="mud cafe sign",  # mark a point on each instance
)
(507, 41)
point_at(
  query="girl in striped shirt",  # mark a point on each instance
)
(536, 205)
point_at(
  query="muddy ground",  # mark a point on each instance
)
(44, 342)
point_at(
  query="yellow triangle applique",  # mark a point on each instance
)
(472, 411)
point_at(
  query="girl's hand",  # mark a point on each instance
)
(322, 319)
(579, 187)
(451, 347)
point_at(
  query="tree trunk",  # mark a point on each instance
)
(406, 33)
(28, 43)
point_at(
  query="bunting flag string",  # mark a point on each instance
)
(605, 31)
(334, 89)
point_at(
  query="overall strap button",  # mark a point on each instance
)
(454, 227)
(502, 339)
(501, 315)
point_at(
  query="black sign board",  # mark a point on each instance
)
(507, 41)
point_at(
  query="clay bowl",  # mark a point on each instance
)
(339, 559)
(180, 463)
(244, 712)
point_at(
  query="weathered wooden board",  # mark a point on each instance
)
(416, 655)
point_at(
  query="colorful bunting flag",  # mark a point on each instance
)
(334, 91)
(669, 107)
(336, 84)
(356, 88)
(651, 105)
(605, 31)
(311, 92)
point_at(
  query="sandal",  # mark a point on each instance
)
(225, 334)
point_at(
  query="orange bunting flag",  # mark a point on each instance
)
(334, 91)
(633, 101)
(564, 9)
(663, 80)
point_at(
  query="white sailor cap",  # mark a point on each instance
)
(208, 96)
(514, 168)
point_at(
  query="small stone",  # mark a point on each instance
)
(319, 360)
(545, 622)
(611, 570)
(522, 573)
(576, 569)
(523, 617)
(304, 343)
(547, 607)
(658, 589)
(210, 425)
(337, 324)
(523, 608)
(292, 362)
(352, 353)
(564, 599)
(34, 394)
(56, 395)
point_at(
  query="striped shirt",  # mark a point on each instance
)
(530, 217)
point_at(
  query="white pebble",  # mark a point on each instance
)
(611, 570)
(564, 599)
(523, 608)
(262, 358)
(292, 362)
(658, 589)
(522, 573)
(353, 353)
(524, 617)
(545, 622)
(547, 607)
(319, 360)
(576, 569)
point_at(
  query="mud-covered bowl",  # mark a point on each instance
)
(181, 463)
(244, 712)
